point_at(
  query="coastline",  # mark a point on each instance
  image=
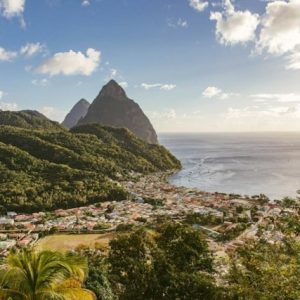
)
(237, 163)
(236, 219)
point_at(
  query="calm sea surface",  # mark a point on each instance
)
(247, 163)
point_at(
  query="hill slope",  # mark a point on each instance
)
(29, 119)
(112, 107)
(78, 111)
(47, 169)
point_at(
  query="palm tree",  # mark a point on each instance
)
(45, 275)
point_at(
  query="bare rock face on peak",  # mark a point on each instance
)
(113, 108)
(78, 111)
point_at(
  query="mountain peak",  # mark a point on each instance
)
(113, 108)
(114, 90)
(77, 112)
(83, 101)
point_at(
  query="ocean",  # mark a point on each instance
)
(241, 163)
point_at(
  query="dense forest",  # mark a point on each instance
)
(30, 119)
(173, 261)
(44, 166)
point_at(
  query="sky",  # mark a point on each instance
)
(192, 65)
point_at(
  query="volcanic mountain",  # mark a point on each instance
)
(113, 108)
(78, 111)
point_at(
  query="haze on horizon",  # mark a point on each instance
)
(192, 65)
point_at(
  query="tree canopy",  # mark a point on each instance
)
(267, 271)
(172, 262)
(31, 275)
(48, 169)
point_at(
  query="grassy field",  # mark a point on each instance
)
(64, 242)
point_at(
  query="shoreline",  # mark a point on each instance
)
(236, 219)
(241, 194)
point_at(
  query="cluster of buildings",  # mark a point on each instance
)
(151, 197)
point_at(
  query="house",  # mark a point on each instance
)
(25, 241)
(3, 236)
(7, 244)
(6, 221)
(11, 214)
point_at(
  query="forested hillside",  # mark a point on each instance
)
(52, 168)
(30, 119)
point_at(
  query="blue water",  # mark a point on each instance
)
(246, 164)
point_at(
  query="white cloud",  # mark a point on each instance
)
(12, 8)
(214, 92)
(198, 5)
(6, 55)
(282, 98)
(40, 82)
(116, 75)
(71, 63)
(167, 114)
(1, 94)
(179, 23)
(86, 3)
(161, 86)
(211, 92)
(182, 23)
(31, 49)
(293, 61)
(280, 31)
(258, 112)
(168, 87)
(148, 86)
(8, 106)
(113, 73)
(261, 118)
(233, 27)
(123, 84)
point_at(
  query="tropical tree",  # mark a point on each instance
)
(32, 275)
(261, 270)
(97, 278)
(171, 262)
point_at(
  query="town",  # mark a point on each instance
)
(228, 220)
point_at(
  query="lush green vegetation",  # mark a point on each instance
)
(30, 275)
(203, 219)
(29, 119)
(232, 232)
(265, 271)
(171, 261)
(290, 225)
(51, 169)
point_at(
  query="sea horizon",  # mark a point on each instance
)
(258, 163)
(226, 132)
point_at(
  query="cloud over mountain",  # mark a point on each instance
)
(161, 86)
(71, 63)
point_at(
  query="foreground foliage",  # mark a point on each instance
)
(170, 262)
(51, 169)
(30, 275)
(266, 271)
